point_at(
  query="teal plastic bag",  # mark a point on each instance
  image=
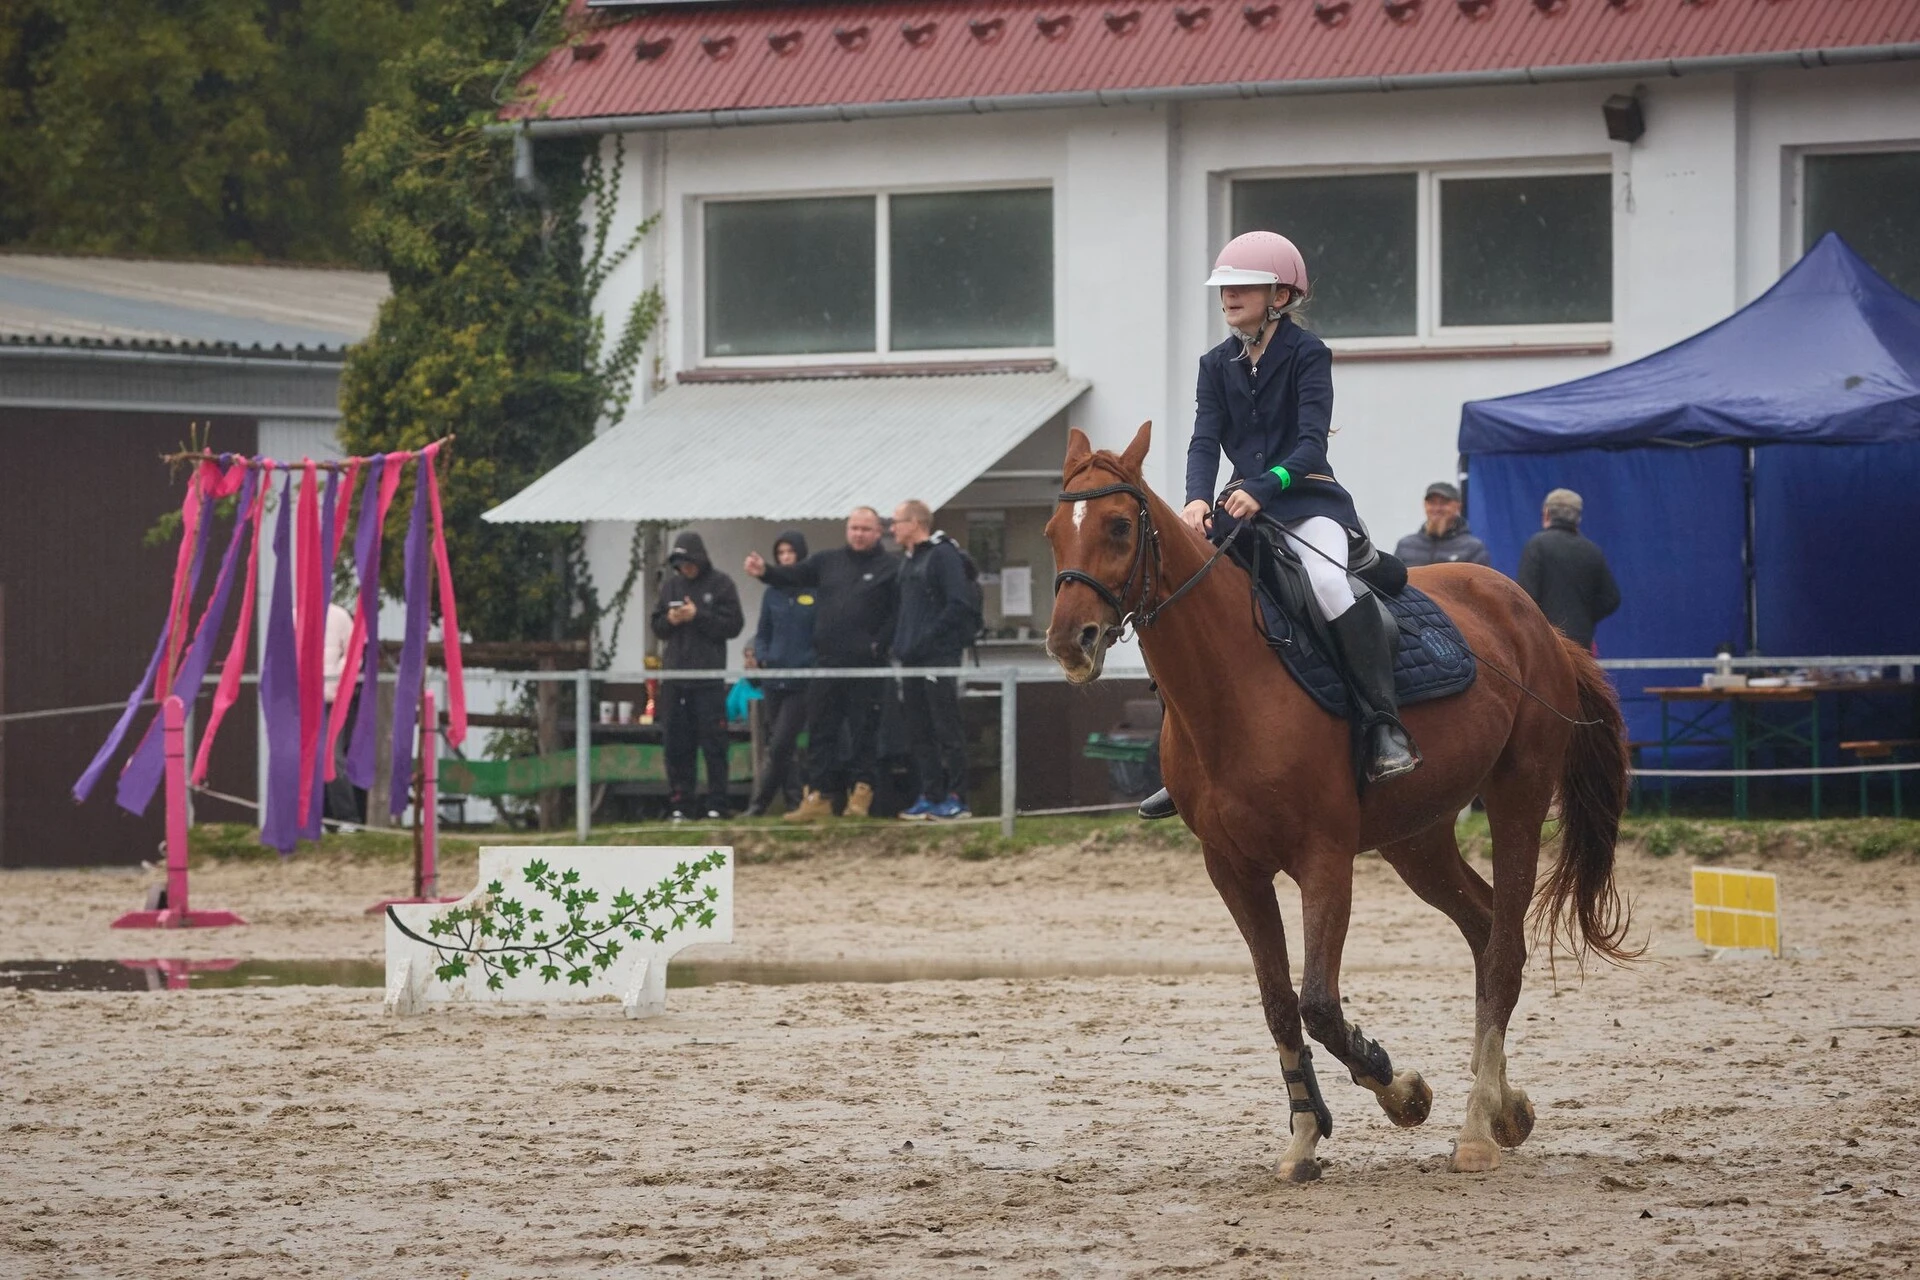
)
(740, 698)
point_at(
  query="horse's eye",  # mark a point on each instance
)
(1119, 527)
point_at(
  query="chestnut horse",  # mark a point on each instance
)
(1264, 778)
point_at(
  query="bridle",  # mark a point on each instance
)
(1143, 570)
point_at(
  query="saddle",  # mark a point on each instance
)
(1431, 660)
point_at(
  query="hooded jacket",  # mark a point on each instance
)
(936, 610)
(1457, 544)
(859, 593)
(701, 641)
(784, 637)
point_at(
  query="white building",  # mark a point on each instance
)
(887, 191)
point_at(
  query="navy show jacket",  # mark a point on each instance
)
(1278, 419)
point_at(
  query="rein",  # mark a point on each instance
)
(1144, 569)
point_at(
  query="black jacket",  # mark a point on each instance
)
(1568, 578)
(936, 608)
(784, 637)
(1280, 419)
(1456, 545)
(859, 597)
(700, 642)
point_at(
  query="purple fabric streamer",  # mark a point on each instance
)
(311, 829)
(141, 777)
(413, 652)
(280, 694)
(84, 787)
(366, 563)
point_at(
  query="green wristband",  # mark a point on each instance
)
(1286, 481)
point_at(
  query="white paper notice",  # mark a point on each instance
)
(1016, 591)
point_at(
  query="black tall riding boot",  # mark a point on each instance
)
(1158, 805)
(1367, 644)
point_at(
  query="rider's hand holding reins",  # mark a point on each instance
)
(1240, 504)
(1198, 515)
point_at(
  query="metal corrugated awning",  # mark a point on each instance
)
(795, 450)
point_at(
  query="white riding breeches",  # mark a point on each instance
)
(1321, 544)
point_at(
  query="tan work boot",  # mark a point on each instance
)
(814, 807)
(859, 801)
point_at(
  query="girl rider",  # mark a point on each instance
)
(1266, 399)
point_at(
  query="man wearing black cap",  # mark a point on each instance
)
(1444, 538)
(697, 612)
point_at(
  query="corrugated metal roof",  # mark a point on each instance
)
(795, 450)
(133, 302)
(747, 58)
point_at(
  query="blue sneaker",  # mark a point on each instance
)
(919, 811)
(952, 807)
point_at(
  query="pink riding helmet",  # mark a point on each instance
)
(1260, 257)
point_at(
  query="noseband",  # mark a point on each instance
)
(1143, 571)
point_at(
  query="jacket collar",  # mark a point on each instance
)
(1278, 355)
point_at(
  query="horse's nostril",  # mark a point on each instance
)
(1089, 634)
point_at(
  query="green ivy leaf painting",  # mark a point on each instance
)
(498, 933)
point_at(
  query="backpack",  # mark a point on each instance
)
(976, 595)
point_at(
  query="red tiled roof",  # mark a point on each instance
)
(670, 62)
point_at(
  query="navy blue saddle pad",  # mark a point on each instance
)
(1432, 662)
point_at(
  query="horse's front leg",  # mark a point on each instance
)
(1249, 897)
(1326, 902)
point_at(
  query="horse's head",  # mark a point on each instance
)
(1100, 550)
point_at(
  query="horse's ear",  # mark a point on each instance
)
(1136, 452)
(1079, 449)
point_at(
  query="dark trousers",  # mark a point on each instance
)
(696, 724)
(932, 708)
(851, 707)
(783, 716)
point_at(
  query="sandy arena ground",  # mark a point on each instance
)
(1696, 1118)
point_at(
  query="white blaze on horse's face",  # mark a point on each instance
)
(1079, 514)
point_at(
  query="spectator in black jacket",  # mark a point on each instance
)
(936, 624)
(1566, 574)
(784, 639)
(1443, 538)
(697, 612)
(858, 590)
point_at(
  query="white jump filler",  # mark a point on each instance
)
(550, 926)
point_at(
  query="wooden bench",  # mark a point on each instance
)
(1887, 749)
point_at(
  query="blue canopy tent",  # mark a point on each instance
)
(1757, 484)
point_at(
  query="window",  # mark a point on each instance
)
(1873, 200)
(1360, 237)
(1410, 255)
(1527, 250)
(879, 275)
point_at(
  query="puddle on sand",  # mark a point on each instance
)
(178, 975)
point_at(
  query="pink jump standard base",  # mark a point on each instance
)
(176, 915)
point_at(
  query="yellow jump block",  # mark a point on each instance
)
(1736, 909)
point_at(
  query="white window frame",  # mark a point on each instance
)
(1794, 243)
(882, 352)
(1429, 333)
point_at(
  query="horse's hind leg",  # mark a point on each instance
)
(1326, 903)
(1499, 1115)
(1250, 898)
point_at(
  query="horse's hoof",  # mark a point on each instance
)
(1407, 1101)
(1307, 1170)
(1473, 1156)
(1515, 1122)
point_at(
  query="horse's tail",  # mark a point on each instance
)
(1579, 902)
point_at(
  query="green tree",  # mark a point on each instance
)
(490, 333)
(194, 128)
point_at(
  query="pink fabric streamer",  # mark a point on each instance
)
(236, 663)
(177, 603)
(310, 630)
(350, 674)
(346, 482)
(449, 616)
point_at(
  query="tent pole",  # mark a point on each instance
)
(1753, 577)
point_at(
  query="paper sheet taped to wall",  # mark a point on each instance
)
(1016, 591)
